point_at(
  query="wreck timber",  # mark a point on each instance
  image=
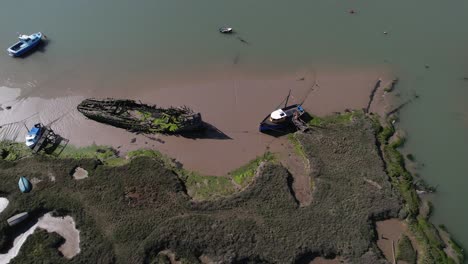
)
(139, 117)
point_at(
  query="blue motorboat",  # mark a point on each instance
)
(26, 43)
(24, 185)
(34, 135)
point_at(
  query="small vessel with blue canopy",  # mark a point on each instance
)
(24, 185)
(34, 135)
(283, 118)
(26, 43)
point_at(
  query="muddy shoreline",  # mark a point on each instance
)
(233, 103)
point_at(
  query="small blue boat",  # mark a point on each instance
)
(24, 185)
(34, 135)
(26, 43)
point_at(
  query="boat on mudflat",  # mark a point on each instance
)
(139, 117)
(25, 44)
(283, 119)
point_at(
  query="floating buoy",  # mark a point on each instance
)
(24, 185)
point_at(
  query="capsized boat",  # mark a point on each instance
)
(226, 30)
(18, 218)
(24, 185)
(139, 117)
(25, 44)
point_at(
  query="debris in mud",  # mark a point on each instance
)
(80, 173)
(139, 117)
(133, 140)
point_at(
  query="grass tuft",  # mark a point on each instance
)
(244, 175)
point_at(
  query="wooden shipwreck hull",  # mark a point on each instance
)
(140, 117)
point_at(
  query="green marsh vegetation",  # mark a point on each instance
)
(405, 251)
(131, 212)
(130, 209)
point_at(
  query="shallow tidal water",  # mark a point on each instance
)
(104, 47)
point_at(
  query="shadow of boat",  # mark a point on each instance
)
(209, 132)
(57, 146)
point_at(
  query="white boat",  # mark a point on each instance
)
(16, 219)
(25, 44)
(226, 30)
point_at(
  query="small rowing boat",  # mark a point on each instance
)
(24, 185)
(26, 43)
(18, 218)
(226, 30)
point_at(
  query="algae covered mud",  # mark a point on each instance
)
(141, 209)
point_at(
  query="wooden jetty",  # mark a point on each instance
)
(48, 136)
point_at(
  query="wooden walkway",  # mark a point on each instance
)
(300, 124)
(48, 136)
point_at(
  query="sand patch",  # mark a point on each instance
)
(17, 244)
(80, 173)
(35, 180)
(3, 204)
(389, 231)
(64, 226)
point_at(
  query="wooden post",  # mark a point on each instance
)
(393, 252)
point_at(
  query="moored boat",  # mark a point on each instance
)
(139, 117)
(18, 218)
(283, 118)
(226, 30)
(26, 43)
